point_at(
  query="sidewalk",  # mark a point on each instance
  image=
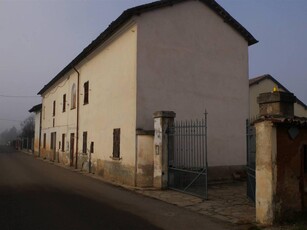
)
(227, 202)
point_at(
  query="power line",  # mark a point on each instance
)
(18, 96)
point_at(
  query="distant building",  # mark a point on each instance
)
(37, 109)
(266, 83)
(175, 55)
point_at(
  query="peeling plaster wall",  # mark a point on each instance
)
(289, 198)
(278, 171)
(145, 158)
(265, 172)
(186, 66)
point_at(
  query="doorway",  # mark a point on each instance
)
(72, 145)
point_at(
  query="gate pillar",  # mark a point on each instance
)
(162, 120)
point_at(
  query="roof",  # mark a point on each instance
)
(129, 13)
(280, 120)
(36, 108)
(256, 80)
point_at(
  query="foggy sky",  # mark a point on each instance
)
(38, 38)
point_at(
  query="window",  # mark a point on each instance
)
(64, 103)
(53, 111)
(92, 147)
(63, 142)
(73, 96)
(44, 141)
(116, 143)
(86, 88)
(44, 112)
(84, 148)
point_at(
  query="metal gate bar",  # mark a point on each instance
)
(188, 157)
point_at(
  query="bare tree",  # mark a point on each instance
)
(27, 128)
(8, 135)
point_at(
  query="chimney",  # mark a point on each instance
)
(276, 104)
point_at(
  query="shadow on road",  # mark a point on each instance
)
(37, 208)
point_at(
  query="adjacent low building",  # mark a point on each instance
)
(266, 83)
(37, 110)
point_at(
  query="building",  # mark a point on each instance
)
(173, 55)
(266, 83)
(37, 110)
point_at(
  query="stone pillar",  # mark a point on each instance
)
(266, 172)
(162, 120)
(272, 106)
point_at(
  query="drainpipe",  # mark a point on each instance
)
(77, 131)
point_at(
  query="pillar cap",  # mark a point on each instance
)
(278, 96)
(166, 114)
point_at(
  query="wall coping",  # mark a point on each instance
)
(166, 114)
(145, 132)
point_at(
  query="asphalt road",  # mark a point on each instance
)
(38, 195)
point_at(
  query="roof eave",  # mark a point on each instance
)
(129, 13)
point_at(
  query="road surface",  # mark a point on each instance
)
(38, 195)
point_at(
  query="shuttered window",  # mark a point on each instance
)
(84, 149)
(116, 143)
(73, 97)
(44, 141)
(86, 96)
(53, 111)
(64, 103)
(63, 142)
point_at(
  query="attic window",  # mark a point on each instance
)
(73, 96)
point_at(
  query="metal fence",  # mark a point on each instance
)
(188, 157)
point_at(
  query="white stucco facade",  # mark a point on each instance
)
(182, 58)
(111, 73)
(186, 66)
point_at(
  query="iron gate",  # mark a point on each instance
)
(251, 160)
(187, 159)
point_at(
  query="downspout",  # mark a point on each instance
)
(77, 128)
